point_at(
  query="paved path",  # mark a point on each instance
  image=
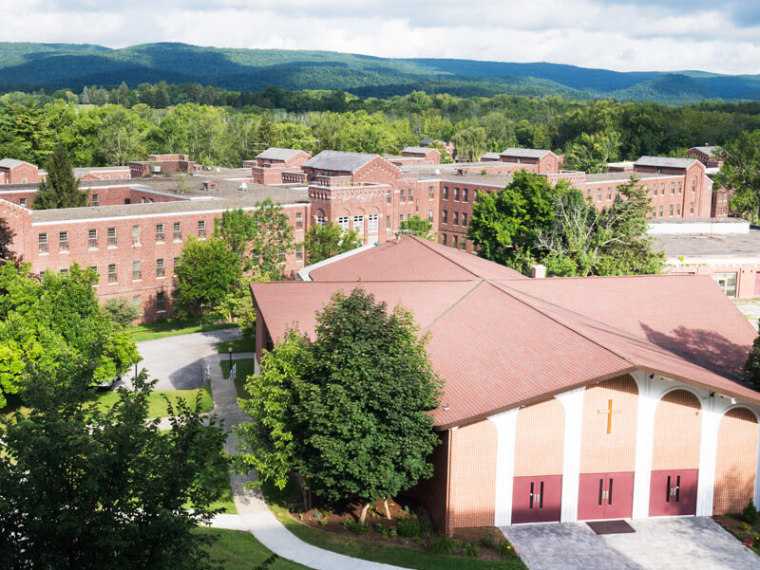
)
(254, 516)
(689, 543)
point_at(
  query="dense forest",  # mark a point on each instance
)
(29, 66)
(214, 126)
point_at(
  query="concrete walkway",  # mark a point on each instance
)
(683, 543)
(254, 516)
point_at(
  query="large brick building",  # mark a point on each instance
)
(360, 191)
(564, 399)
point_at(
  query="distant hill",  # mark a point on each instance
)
(26, 66)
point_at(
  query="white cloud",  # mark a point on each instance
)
(614, 34)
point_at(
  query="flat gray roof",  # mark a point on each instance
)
(665, 162)
(715, 245)
(339, 161)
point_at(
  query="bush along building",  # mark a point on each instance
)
(132, 231)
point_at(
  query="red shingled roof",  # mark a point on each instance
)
(502, 342)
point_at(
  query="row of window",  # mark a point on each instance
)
(655, 209)
(460, 195)
(457, 242)
(92, 236)
(455, 216)
(358, 223)
(113, 274)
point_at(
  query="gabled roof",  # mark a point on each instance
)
(708, 150)
(11, 163)
(339, 161)
(418, 150)
(276, 153)
(525, 152)
(504, 342)
(665, 162)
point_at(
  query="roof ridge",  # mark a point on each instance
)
(516, 295)
(454, 304)
(422, 241)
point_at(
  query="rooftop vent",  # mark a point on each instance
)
(243, 187)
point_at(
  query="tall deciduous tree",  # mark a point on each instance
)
(206, 274)
(347, 410)
(6, 239)
(324, 241)
(86, 489)
(61, 189)
(741, 172)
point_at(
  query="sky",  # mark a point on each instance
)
(624, 35)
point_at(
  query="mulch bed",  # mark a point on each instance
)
(748, 534)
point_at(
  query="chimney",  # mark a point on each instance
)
(538, 271)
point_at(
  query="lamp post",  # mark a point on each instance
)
(229, 351)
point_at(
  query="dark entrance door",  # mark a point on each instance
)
(537, 499)
(673, 493)
(605, 496)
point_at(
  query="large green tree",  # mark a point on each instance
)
(58, 319)
(206, 274)
(741, 172)
(416, 226)
(82, 488)
(6, 239)
(324, 241)
(347, 410)
(61, 188)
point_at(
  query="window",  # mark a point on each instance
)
(372, 224)
(401, 217)
(63, 272)
(136, 271)
(175, 263)
(201, 229)
(299, 254)
(463, 244)
(672, 187)
(691, 208)
(588, 193)
(299, 221)
(402, 199)
(660, 210)
(111, 237)
(22, 202)
(456, 218)
(678, 209)
(411, 194)
(693, 186)
(679, 187)
(359, 224)
(445, 192)
(464, 218)
(430, 215)
(726, 282)
(177, 231)
(598, 194)
(455, 242)
(136, 233)
(474, 195)
(160, 271)
(456, 194)
(431, 192)
(445, 219)
(63, 241)
(159, 232)
(343, 223)
(94, 268)
(92, 238)
(387, 222)
(609, 193)
(443, 239)
(662, 189)
(95, 200)
(137, 302)
(112, 277)
(160, 302)
(321, 220)
(671, 211)
(389, 197)
(465, 192)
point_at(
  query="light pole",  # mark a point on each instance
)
(229, 351)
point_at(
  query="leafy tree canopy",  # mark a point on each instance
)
(83, 488)
(325, 241)
(416, 226)
(347, 410)
(61, 189)
(6, 239)
(55, 320)
(741, 172)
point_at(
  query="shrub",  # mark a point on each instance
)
(122, 311)
(505, 549)
(471, 549)
(409, 527)
(488, 541)
(392, 532)
(445, 545)
(358, 528)
(749, 514)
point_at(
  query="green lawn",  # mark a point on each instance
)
(156, 402)
(239, 550)
(244, 370)
(163, 329)
(238, 345)
(377, 551)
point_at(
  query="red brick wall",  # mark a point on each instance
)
(24, 173)
(678, 429)
(735, 462)
(540, 440)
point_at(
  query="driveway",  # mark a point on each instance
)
(178, 361)
(688, 543)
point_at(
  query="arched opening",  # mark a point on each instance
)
(736, 460)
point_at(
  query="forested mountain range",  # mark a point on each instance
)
(28, 66)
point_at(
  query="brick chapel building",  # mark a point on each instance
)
(564, 399)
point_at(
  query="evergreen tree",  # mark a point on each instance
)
(751, 370)
(61, 189)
